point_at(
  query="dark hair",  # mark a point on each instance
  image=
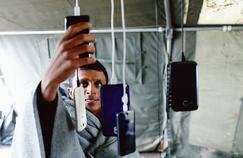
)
(96, 66)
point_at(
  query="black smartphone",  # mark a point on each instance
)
(182, 88)
(126, 132)
(70, 20)
(111, 104)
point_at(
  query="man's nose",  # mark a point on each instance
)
(90, 89)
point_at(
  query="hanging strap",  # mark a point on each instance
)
(124, 97)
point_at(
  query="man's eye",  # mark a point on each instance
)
(98, 84)
(84, 84)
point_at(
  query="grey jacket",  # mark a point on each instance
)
(66, 142)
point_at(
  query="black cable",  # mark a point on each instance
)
(48, 48)
(78, 82)
(182, 31)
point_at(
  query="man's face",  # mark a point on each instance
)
(91, 81)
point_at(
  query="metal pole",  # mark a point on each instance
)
(103, 30)
(169, 28)
(169, 37)
(224, 28)
(146, 29)
(31, 32)
(137, 29)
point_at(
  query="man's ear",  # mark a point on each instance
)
(70, 92)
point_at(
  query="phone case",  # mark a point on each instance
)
(70, 20)
(126, 132)
(111, 104)
(80, 110)
(182, 86)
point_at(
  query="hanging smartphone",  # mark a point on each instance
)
(182, 93)
(80, 110)
(111, 104)
(126, 132)
(70, 20)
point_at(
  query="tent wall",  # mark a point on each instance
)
(22, 60)
(214, 130)
(221, 60)
(145, 63)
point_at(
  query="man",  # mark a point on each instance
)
(91, 77)
(46, 126)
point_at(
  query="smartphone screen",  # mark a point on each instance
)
(111, 104)
(80, 110)
(126, 132)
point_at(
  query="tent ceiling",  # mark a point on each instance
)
(50, 14)
(28, 15)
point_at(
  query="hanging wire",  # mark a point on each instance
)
(182, 31)
(77, 13)
(113, 75)
(78, 82)
(76, 8)
(125, 97)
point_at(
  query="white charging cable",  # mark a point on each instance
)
(76, 9)
(125, 97)
(77, 13)
(113, 75)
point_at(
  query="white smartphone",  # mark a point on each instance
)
(80, 110)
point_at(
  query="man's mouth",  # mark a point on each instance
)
(91, 100)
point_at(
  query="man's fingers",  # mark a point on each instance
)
(74, 53)
(76, 41)
(80, 39)
(84, 61)
(72, 44)
(76, 28)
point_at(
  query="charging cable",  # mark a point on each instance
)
(113, 75)
(183, 58)
(77, 13)
(76, 9)
(124, 97)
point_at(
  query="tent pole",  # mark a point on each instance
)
(169, 28)
(103, 30)
(169, 37)
(224, 28)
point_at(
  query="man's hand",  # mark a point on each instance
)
(66, 60)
